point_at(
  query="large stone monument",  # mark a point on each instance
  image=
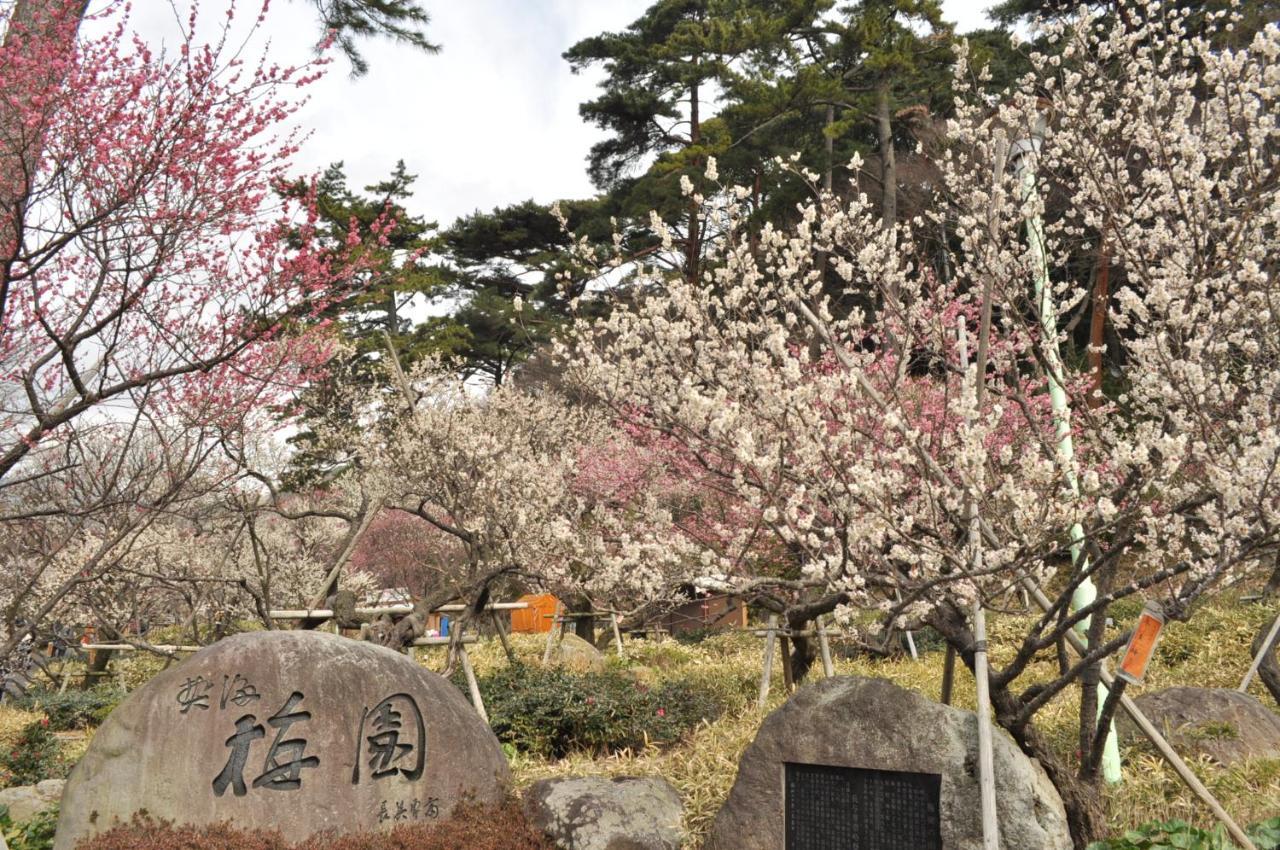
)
(301, 732)
(863, 763)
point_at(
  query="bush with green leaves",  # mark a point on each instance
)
(34, 834)
(71, 710)
(1180, 835)
(551, 712)
(32, 757)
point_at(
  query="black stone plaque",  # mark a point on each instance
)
(851, 808)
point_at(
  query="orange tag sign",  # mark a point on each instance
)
(1142, 645)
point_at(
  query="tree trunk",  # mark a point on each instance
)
(1273, 584)
(829, 143)
(803, 651)
(1098, 322)
(1081, 798)
(888, 163)
(693, 248)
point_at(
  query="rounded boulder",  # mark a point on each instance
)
(302, 732)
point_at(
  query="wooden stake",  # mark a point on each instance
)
(828, 669)
(768, 661)
(472, 685)
(948, 674)
(788, 676)
(502, 635)
(555, 624)
(617, 634)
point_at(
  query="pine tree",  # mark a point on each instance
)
(349, 20)
(372, 320)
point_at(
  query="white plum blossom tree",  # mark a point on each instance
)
(908, 453)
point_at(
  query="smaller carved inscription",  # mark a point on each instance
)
(849, 808)
(428, 809)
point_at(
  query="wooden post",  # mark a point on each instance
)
(788, 676)
(617, 634)
(828, 669)
(911, 646)
(555, 623)
(502, 635)
(472, 685)
(948, 674)
(768, 661)
(1262, 653)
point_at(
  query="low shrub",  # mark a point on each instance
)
(71, 710)
(472, 826)
(35, 834)
(32, 757)
(551, 712)
(1180, 835)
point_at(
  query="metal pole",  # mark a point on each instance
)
(1262, 653)
(768, 661)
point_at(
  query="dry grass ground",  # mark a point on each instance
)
(1211, 651)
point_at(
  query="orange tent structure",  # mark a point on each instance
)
(538, 616)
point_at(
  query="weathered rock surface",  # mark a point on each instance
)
(297, 731)
(876, 725)
(1224, 724)
(26, 801)
(579, 655)
(602, 813)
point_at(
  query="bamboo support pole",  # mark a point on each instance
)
(128, 647)
(327, 613)
(768, 662)
(1267, 646)
(986, 760)
(442, 640)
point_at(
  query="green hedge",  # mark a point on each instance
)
(551, 712)
(72, 710)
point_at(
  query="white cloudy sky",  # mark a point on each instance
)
(492, 119)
